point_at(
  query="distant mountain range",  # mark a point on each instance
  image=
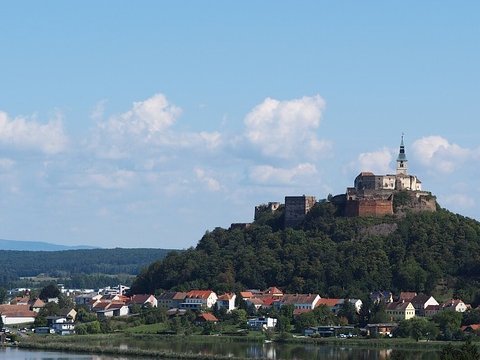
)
(38, 246)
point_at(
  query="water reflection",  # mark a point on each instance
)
(271, 351)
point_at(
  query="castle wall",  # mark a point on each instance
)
(296, 207)
(368, 207)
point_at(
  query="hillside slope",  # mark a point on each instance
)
(330, 255)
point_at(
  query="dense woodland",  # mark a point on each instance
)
(432, 252)
(77, 268)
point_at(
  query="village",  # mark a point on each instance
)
(262, 310)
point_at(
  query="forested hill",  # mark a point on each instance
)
(15, 264)
(330, 255)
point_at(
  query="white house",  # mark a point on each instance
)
(144, 300)
(61, 325)
(456, 305)
(400, 311)
(17, 314)
(262, 323)
(112, 310)
(299, 301)
(226, 301)
(198, 299)
(421, 301)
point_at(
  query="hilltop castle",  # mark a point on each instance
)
(371, 195)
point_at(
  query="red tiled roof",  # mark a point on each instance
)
(226, 296)
(273, 290)
(101, 305)
(207, 317)
(199, 294)
(298, 298)
(16, 311)
(474, 327)
(328, 302)
(407, 295)
(140, 298)
(297, 312)
(246, 294)
(255, 301)
(37, 303)
(269, 300)
(20, 300)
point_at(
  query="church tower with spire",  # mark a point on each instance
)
(402, 160)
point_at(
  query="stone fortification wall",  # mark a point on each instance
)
(296, 207)
(368, 207)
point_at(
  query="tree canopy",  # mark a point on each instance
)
(331, 255)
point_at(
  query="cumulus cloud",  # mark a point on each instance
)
(211, 183)
(147, 126)
(286, 129)
(439, 154)
(267, 174)
(377, 162)
(27, 133)
(146, 118)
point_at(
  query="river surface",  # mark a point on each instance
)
(269, 351)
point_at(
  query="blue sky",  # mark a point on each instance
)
(144, 124)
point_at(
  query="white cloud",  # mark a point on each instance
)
(146, 128)
(28, 133)
(286, 129)
(457, 202)
(146, 118)
(377, 162)
(266, 174)
(211, 183)
(118, 179)
(438, 153)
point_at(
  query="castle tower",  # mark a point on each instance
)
(402, 160)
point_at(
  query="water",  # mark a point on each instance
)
(20, 354)
(247, 350)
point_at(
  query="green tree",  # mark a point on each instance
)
(85, 316)
(283, 324)
(348, 311)
(467, 351)
(40, 321)
(93, 327)
(304, 321)
(239, 317)
(449, 322)
(65, 302)
(3, 295)
(49, 291)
